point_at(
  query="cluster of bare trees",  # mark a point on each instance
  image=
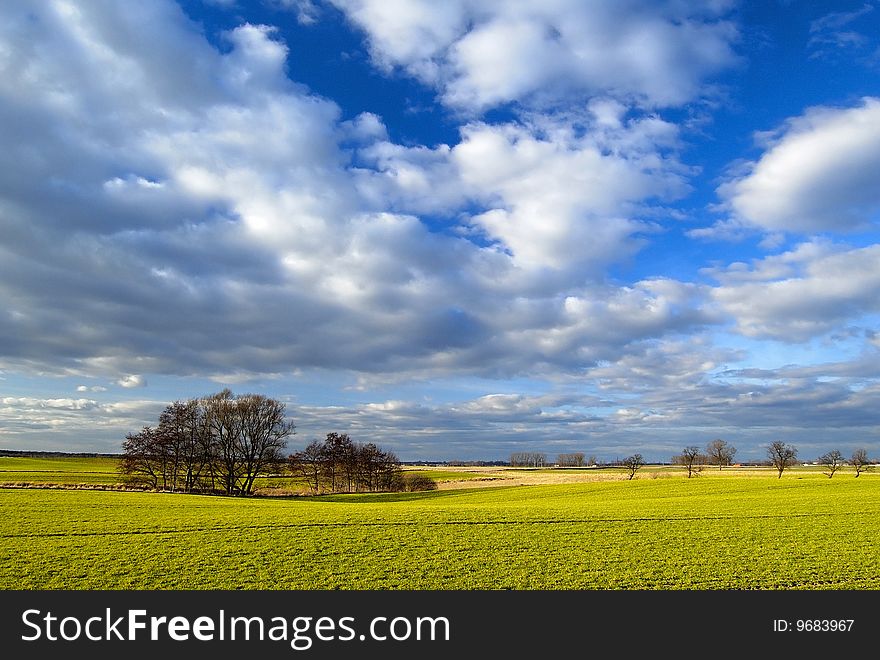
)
(718, 452)
(834, 460)
(339, 465)
(538, 459)
(575, 459)
(528, 459)
(221, 442)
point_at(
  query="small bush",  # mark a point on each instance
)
(415, 482)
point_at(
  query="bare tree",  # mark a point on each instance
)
(182, 425)
(337, 461)
(781, 456)
(144, 458)
(833, 460)
(692, 459)
(263, 434)
(225, 430)
(575, 459)
(308, 464)
(528, 459)
(860, 461)
(633, 464)
(389, 474)
(720, 452)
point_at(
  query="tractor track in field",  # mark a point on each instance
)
(444, 523)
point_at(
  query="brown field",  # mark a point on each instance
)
(451, 478)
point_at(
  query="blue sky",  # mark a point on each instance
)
(455, 229)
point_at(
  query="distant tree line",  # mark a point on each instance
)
(694, 460)
(779, 456)
(528, 459)
(575, 459)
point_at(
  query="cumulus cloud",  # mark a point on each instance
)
(650, 414)
(64, 424)
(93, 388)
(480, 55)
(819, 172)
(561, 201)
(171, 208)
(489, 425)
(677, 364)
(803, 293)
(555, 194)
(132, 380)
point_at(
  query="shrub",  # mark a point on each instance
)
(414, 482)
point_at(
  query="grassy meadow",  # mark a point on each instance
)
(103, 471)
(734, 530)
(62, 470)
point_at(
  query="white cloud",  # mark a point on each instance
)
(557, 195)
(409, 32)
(819, 172)
(53, 424)
(483, 54)
(93, 388)
(803, 293)
(677, 365)
(561, 201)
(307, 12)
(195, 212)
(60, 404)
(174, 208)
(834, 35)
(132, 380)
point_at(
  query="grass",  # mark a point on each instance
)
(78, 471)
(68, 470)
(725, 531)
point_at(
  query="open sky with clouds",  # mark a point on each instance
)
(457, 229)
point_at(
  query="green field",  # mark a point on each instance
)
(70, 470)
(715, 532)
(102, 471)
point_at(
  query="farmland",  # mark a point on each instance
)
(733, 530)
(70, 470)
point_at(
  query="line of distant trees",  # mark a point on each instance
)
(223, 442)
(693, 459)
(779, 456)
(528, 459)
